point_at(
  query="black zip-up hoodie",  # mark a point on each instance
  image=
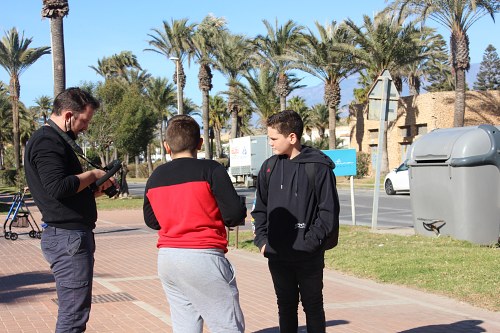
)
(292, 221)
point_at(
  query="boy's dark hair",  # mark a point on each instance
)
(182, 134)
(286, 122)
(74, 99)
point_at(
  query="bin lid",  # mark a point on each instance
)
(461, 146)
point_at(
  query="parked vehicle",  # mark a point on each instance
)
(397, 180)
(246, 155)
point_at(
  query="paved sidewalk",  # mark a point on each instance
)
(128, 296)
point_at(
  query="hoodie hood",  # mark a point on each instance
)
(312, 155)
(307, 155)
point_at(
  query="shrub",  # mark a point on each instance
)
(363, 161)
(9, 177)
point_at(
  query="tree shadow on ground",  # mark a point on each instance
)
(18, 286)
(469, 326)
(303, 329)
(116, 230)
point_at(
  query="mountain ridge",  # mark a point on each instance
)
(314, 95)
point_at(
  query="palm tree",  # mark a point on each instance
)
(204, 40)
(233, 57)
(56, 10)
(15, 57)
(5, 124)
(319, 118)
(384, 44)
(433, 45)
(272, 49)
(219, 116)
(43, 107)
(458, 16)
(261, 91)
(28, 123)
(175, 40)
(117, 65)
(321, 57)
(298, 104)
(161, 96)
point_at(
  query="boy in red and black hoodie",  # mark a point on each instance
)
(191, 202)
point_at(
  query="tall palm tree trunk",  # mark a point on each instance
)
(148, 157)
(2, 165)
(136, 161)
(206, 121)
(459, 117)
(233, 111)
(218, 143)
(180, 80)
(282, 89)
(282, 103)
(332, 100)
(162, 147)
(14, 95)
(58, 58)
(205, 85)
(332, 126)
(234, 122)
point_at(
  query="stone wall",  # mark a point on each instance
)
(418, 115)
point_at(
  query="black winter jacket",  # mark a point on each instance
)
(291, 220)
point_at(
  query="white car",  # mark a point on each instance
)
(397, 180)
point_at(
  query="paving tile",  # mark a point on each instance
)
(126, 263)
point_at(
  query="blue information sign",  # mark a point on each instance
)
(345, 161)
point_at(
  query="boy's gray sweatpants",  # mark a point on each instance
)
(200, 285)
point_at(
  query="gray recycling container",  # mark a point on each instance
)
(455, 183)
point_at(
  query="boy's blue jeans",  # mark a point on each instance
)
(70, 254)
(304, 278)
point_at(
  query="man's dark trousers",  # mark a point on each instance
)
(304, 277)
(70, 254)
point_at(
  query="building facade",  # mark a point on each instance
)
(418, 115)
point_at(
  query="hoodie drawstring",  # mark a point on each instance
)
(296, 178)
(282, 173)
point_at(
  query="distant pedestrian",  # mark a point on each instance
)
(191, 202)
(296, 219)
(124, 193)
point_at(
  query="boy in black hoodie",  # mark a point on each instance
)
(296, 219)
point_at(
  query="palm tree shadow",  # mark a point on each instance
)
(19, 286)
(469, 326)
(303, 329)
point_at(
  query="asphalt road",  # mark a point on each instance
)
(394, 210)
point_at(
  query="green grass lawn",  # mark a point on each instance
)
(105, 203)
(444, 266)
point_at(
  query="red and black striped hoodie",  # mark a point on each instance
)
(190, 202)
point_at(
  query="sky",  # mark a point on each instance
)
(95, 29)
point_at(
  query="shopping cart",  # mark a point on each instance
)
(19, 216)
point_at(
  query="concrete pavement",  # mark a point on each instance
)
(128, 296)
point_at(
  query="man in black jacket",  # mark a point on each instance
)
(296, 219)
(61, 191)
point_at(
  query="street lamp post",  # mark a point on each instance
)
(176, 60)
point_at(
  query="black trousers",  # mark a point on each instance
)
(304, 279)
